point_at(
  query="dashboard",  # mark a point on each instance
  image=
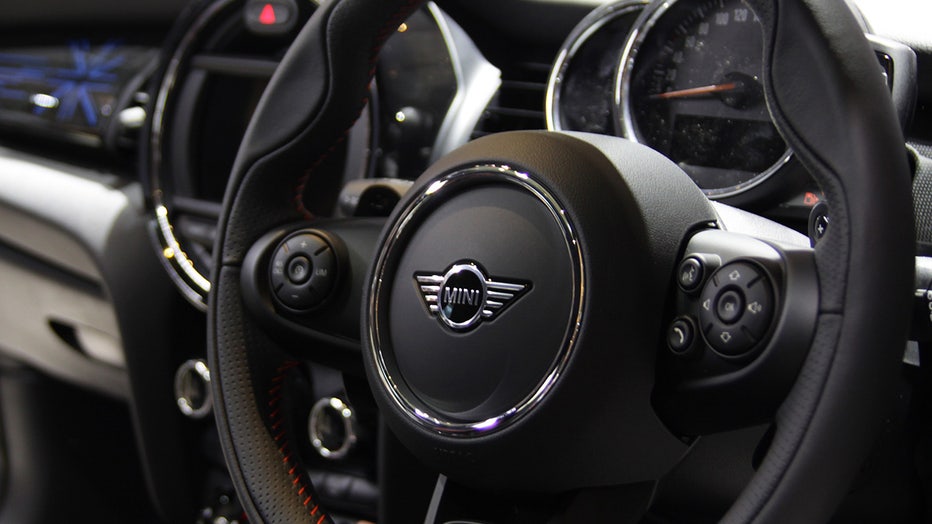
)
(120, 126)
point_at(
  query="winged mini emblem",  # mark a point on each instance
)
(463, 296)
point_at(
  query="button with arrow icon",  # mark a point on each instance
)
(729, 341)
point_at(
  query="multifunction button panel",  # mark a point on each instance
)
(736, 307)
(740, 319)
(727, 307)
(303, 271)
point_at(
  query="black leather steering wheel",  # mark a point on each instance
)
(569, 243)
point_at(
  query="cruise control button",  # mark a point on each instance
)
(277, 271)
(305, 244)
(324, 262)
(299, 270)
(298, 297)
(730, 306)
(303, 270)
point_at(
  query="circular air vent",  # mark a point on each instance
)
(430, 90)
(212, 79)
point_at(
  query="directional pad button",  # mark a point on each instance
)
(758, 309)
(736, 308)
(729, 340)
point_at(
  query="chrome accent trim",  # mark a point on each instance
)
(477, 82)
(471, 321)
(506, 286)
(195, 369)
(911, 354)
(590, 25)
(193, 285)
(345, 412)
(435, 500)
(488, 309)
(422, 203)
(193, 296)
(622, 98)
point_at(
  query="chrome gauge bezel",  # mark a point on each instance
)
(624, 117)
(593, 23)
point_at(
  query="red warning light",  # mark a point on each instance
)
(267, 17)
(811, 199)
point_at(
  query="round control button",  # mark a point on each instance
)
(299, 269)
(680, 335)
(818, 222)
(303, 270)
(690, 273)
(730, 306)
(820, 226)
(736, 308)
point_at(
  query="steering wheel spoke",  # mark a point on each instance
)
(742, 316)
(303, 282)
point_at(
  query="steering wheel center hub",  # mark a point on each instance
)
(476, 297)
(522, 277)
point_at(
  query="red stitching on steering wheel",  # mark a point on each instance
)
(381, 37)
(302, 181)
(275, 392)
(281, 437)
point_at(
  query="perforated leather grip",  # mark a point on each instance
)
(818, 72)
(312, 101)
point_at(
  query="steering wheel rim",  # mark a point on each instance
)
(842, 127)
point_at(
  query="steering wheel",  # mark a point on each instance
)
(513, 313)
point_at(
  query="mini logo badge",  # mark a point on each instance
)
(463, 296)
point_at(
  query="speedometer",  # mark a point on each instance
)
(689, 86)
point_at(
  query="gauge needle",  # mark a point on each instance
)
(696, 91)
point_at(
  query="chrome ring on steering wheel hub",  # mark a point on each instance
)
(536, 248)
(448, 258)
